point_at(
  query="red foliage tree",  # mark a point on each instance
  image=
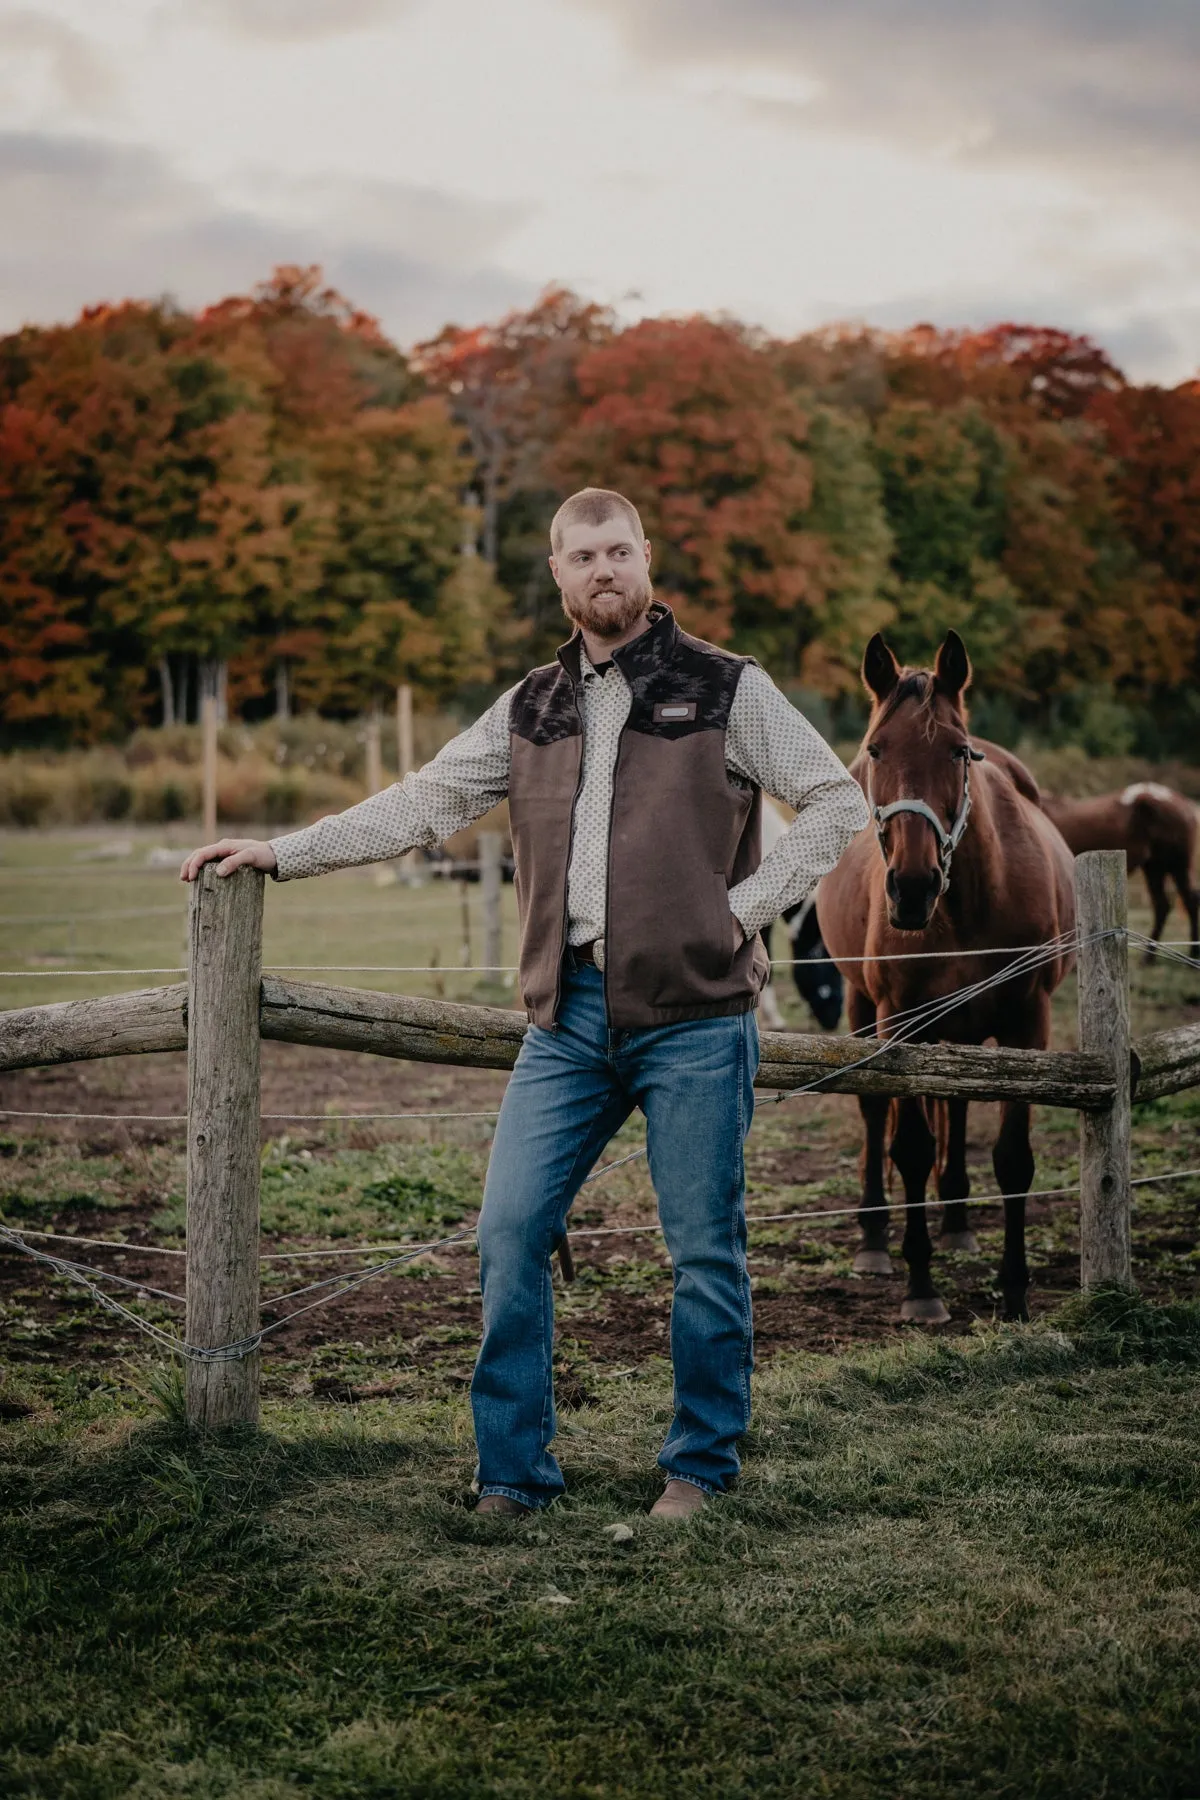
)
(1056, 374)
(512, 387)
(694, 423)
(1153, 436)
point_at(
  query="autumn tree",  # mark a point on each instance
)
(327, 368)
(396, 602)
(689, 419)
(512, 387)
(51, 674)
(1056, 374)
(1152, 435)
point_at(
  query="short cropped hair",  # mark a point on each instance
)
(591, 506)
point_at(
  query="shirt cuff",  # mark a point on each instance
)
(282, 871)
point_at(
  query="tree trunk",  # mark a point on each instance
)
(181, 689)
(283, 689)
(491, 516)
(168, 692)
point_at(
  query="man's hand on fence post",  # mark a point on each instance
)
(230, 854)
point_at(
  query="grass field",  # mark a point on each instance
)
(952, 1567)
(955, 1565)
(96, 899)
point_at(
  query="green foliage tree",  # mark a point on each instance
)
(848, 516)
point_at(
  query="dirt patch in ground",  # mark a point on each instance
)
(425, 1320)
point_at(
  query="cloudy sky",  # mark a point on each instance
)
(789, 161)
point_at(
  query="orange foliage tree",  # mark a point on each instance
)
(272, 485)
(692, 421)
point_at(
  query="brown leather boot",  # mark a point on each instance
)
(679, 1500)
(500, 1506)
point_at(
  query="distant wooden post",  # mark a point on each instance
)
(374, 749)
(490, 882)
(223, 1142)
(405, 754)
(1104, 1224)
(208, 736)
(406, 761)
(464, 919)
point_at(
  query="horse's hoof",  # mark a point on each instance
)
(872, 1262)
(924, 1312)
(960, 1240)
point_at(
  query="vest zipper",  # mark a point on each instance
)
(567, 871)
(612, 807)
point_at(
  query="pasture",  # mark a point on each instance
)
(955, 1563)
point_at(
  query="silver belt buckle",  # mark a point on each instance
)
(598, 954)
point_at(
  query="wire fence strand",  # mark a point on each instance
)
(1172, 947)
(901, 1028)
(338, 1285)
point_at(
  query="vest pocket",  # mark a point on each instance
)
(707, 939)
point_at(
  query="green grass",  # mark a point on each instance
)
(954, 1567)
(88, 899)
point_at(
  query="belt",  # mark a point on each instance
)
(592, 953)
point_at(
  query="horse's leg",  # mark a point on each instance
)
(954, 1183)
(873, 1257)
(1012, 1156)
(1189, 899)
(913, 1151)
(1012, 1159)
(1156, 881)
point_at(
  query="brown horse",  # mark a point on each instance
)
(894, 892)
(1155, 827)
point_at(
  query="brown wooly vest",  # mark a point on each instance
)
(682, 832)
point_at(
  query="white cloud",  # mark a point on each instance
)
(46, 62)
(87, 221)
(1079, 79)
(786, 160)
(295, 19)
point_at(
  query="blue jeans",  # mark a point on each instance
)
(572, 1088)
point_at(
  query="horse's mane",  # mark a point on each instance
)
(913, 684)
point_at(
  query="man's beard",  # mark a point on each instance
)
(610, 617)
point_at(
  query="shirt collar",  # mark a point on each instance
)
(643, 653)
(587, 667)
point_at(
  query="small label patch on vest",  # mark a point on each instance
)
(673, 712)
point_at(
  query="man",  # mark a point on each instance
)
(634, 766)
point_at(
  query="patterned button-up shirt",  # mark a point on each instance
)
(767, 743)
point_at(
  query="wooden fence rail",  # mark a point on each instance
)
(487, 1037)
(227, 1005)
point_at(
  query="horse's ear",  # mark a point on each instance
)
(952, 670)
(880, 670)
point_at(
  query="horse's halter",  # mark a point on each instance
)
(947, 841)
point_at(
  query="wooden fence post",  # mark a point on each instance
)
(223, 1142)
(1104, 1224)
(490, 883)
